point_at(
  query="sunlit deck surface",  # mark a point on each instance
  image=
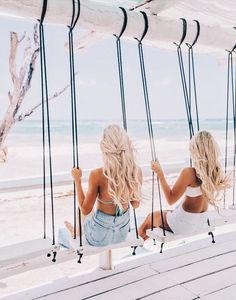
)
(196, 270)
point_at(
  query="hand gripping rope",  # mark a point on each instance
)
(74, 121)
(149, 119)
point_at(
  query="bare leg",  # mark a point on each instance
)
(157, 222)
(70, 227)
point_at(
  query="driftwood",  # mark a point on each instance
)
(217, 20)
(21, 84)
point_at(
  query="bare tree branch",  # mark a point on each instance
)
(22, 38)
(25, 64)
(22, 116)
(21, 82)
(12, 57)
(30, 66)
(140, 5)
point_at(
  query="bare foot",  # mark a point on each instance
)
(142, 233)
(69, 227)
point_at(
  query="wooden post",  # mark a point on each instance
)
(105, 260)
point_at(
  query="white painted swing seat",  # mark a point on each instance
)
(157, 234)
(86, 249)
(226, 217)
(24, 251)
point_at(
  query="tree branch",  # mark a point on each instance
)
(23, 69)
(12, 57)
(21, 82)
(22, 116)
(30, 65)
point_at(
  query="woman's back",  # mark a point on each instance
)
(194, 200)
(105, 202)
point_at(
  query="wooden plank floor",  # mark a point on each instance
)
(199, 270)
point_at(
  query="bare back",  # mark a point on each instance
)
(194, 204)
(105, 204)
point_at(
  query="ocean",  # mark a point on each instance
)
(171, 139)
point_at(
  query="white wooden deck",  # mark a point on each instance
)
(197, 270)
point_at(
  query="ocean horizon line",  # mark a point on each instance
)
(131, 119)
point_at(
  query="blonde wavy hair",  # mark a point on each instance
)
(205, 157)
(120, 168)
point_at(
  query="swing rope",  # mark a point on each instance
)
(74, 121)
(183, 79)
(191, 73)
(149, 120)
(231, 85)
(234, 123)
(227, 113)
(45, 109)
(120, 68)
(122, 88)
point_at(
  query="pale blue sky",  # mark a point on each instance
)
(98, 92)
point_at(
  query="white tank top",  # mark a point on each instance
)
(193, 191)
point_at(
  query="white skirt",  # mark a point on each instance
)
(183, 222)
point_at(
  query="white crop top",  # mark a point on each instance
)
(193, 191)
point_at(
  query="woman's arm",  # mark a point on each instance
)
(173, 194)
(86, 202)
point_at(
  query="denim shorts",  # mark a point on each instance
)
(102, 229)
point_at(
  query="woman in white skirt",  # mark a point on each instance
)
(198, 186)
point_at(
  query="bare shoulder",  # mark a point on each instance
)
(96, 174)
(189, 173)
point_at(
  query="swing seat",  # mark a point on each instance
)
(86, 249)
(157, 234)
(66, 240)
(24, 251)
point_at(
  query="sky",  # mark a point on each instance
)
(98, 85)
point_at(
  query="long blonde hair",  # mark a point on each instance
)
(205, 157)
(120, 168)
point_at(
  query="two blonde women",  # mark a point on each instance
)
(117, 185)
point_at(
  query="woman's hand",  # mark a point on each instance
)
(76, 174)
(156, 167)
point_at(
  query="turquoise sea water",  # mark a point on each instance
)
(171, 140)
(89, 130)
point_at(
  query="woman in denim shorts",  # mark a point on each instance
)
(112, 189)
